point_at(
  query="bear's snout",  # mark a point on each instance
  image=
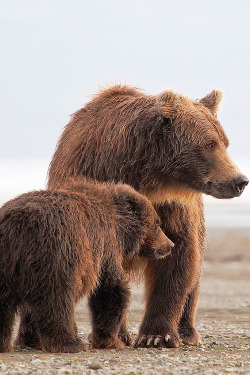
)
(240, 183)
(227, 189)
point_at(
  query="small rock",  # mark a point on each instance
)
(36, 361)
(64, 370)
(95, 365)
(3, 367)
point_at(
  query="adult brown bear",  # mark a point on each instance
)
(59, 245)
(172, 149)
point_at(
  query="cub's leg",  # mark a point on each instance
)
(53, 318)
(8, 306)
(124, 334)
(27, 334)
(108, 305)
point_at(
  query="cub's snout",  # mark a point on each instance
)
(163, 245)
(157, 245)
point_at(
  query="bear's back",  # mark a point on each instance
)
(107, 140)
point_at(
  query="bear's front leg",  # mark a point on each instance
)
(108, 305)
(171, 281)
(164, 305)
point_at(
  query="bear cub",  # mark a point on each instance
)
(59, 245)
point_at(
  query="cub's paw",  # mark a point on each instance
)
(189, 335)
(5, 347)
(110, 343)
(157, 341)
(125, 337)
(30, 341)
(72, 347)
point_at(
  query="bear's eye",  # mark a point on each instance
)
(211, 145)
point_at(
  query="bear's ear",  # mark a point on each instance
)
(212, 100)
(166, 104)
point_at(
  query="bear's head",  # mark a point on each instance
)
(139, 226)
(196, 146)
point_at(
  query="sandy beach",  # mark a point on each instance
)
(223, 321)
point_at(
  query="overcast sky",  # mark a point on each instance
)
(56, 53)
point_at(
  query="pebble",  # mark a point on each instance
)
(95, 365)
(151, 352)
(3, 367)
(64, 370)
(36, 361)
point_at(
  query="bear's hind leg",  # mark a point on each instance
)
(108, 305)
(188, 333)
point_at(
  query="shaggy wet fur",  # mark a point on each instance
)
(59, 245)
(171, 149)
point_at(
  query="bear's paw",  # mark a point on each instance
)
(189, 335)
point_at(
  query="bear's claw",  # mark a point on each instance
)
(157, 341)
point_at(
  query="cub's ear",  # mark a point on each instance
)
(166, 104)
(130, 222)
(130, 201)
(212, 100)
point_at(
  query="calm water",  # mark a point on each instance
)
(19, 176)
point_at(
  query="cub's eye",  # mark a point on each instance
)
(210, 145)
(157, 224)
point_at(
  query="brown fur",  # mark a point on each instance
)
(172, 149)
(59, 245)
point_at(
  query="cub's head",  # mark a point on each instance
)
(196, 145)
(139, 226)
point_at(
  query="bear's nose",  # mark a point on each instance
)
(241, 182)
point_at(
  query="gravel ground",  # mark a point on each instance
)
(223, 321)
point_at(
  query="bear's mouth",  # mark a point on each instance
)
(226, 190)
